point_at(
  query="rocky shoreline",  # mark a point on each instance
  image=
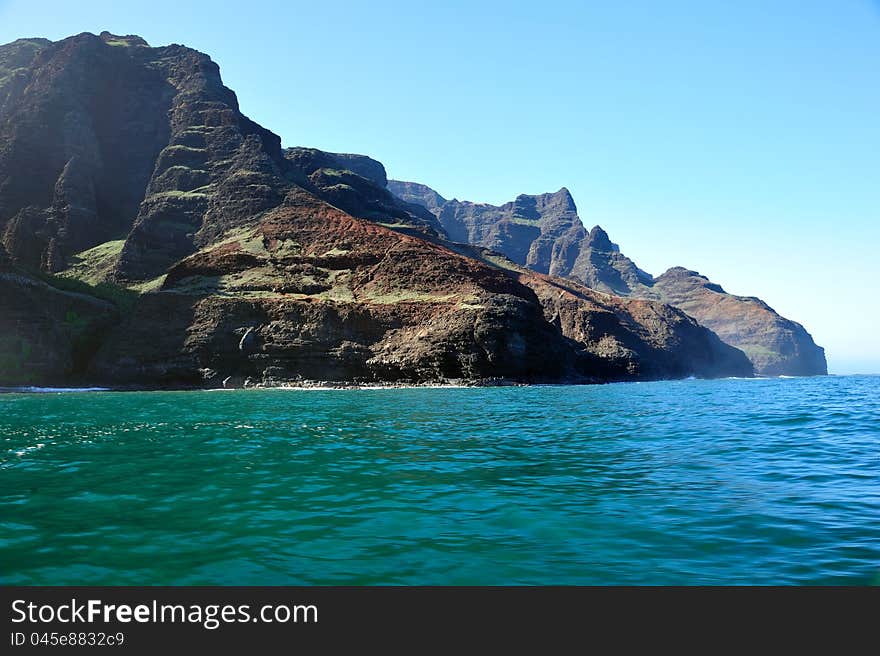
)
(323, 385)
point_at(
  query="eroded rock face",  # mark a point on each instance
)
(133, 168)
(545, 234)
(47, 335)
(776, 345)
(632, 337)
(541, 232)
(536, 231)
(217, 170)
(418, 194)
(105, 138)
(356, 184)
(81, 125)
(327, 296)
(310, 160)
(312, 292)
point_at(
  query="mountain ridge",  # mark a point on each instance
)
(557, 242)
(129, 175)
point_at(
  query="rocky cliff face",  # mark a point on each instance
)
(635, 337)
(536, 231)
(312, 292)
(357, 184)
(545, 234)
(776, 345)
(602, 266)
(47, 335)
(104, 138)
(128, 173)
(418, 194)
(74, 158)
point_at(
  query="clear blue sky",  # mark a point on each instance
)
(740, 138)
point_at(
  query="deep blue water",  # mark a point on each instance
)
(685, 482)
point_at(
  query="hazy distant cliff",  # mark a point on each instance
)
(545, 234)
(774, 344)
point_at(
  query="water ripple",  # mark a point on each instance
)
(733, 481)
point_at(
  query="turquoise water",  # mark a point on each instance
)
(729, 481)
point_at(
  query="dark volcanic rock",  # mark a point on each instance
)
(15, 61)
(310, 160)
(218, 169)
(541, 232)
(333, 297)
(635, 338)
(545, 234)
(106, 138)
(80, 129)
(47, 335)
(356, 184)
(103, 137)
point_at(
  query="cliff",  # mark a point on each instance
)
(48, 334)
(135, 193)
(545, 234)
(775, 345)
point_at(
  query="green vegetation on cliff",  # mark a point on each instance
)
(94, 266)
(122, 297)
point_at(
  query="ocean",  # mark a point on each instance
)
(765, 481)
